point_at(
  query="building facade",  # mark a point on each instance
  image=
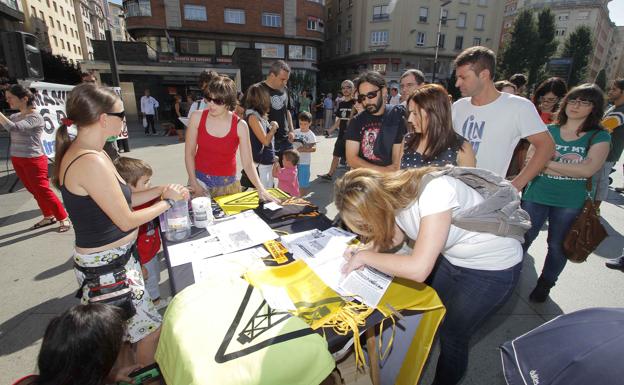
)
(117, 22)
(54, 24)
(11, 15)
(392, 36)
(569, 15)
(207, 31)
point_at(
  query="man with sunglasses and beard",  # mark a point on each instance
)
(374, 136)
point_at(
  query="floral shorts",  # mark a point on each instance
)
(218, 185)
(146, 320)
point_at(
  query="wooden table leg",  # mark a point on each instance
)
(373, 357)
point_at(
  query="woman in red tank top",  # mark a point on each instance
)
(213, 136)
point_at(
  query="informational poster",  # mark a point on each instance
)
(50, 103)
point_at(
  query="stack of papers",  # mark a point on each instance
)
(323, 252)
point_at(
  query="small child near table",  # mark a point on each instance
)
(137, 175)
(305, 143)
(287, 175)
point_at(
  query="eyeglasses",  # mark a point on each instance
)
(579, 102)
(368, 95)
(217, 101)
(550, 100)
(121, 115)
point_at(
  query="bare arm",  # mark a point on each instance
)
(23, 125)
(264, 138)
(544, 149)
(353, 159)
(593, 162)
(190, 150)
(141, 197)
(432, 236)
(397, 149)
(466, 156)
(177, 110)
(244, 149)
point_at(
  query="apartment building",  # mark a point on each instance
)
(54, 23)
(11, 15)
(390, 36)
(118, 22)
(570, 14)
(206, 31)
(90, 22)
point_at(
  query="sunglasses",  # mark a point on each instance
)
(368, 95)
(121, 115)
(217, 101)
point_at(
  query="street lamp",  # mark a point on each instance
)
(437, 46)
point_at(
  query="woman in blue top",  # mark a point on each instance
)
(558, 192)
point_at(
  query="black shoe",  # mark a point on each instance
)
(541, 290)
(616, 264)
(326, 177)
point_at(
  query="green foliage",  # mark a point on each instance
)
(517, 54)
(545, 45)
(601, 80)
(300, 81)
(57, 69)
(579, 47)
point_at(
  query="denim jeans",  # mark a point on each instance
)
(559, 221)
(471, 296)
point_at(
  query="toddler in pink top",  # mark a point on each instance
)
(287, 175)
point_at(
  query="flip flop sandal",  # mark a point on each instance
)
(64, 226)
(43, 223)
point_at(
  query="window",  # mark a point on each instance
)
(58, 25)
(380, 12)
(197, 46)
(480, 21)
(41, 16)
(330, 15)
(339, 6)
(62, 10)
(68, 15)
(563, 17)
(69, 46)
(55, 8)
(444, 16)
(483, 3)
(33, 12)
(138, 8)
(381, 68)
(228, 47)
(234, 16)
(51, 22)
(317, 1)
(441, 40)
(420, 39)
(315, 24)
(350, 3)
(379, 38)
(310, 53)
(65, 27)
(348, 45)
(424, 13)
(55, 41)
(560, 32)
(295, 52)
(79, 51)
(275, 51)
(459, 42)
(349, 22)
(583, 15)
(62, 43)
(337, 48)
(476, 41)
(195, 12)
(461, 20)
(395, 67)
(271, 19)
(75, 49)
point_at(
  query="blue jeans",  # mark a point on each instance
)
(559, 221)
(471, 296)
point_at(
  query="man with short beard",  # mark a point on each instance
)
(374, 136)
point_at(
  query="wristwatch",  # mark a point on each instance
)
(171, 202)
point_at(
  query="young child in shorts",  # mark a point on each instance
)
(305, 144)
(137, 175)
(287, 175)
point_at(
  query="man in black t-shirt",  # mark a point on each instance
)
(275, 85)
(343, 114)
(374, 136)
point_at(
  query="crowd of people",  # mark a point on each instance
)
(390, 136)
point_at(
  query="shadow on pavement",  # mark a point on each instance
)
(20, 217)
(31, 328)
(48, 229)
(613, 245)
(57, 270)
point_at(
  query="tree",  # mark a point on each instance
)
(300, 81)
(579, 47)
(57, 69)
(601, 80)
(545, 45)
(517, 54)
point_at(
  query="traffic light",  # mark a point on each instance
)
(22, 55)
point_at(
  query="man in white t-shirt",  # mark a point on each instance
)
(494, 122)
(148, 109)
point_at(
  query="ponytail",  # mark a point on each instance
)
(61, 145)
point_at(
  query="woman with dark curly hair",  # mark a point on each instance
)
(547, 97)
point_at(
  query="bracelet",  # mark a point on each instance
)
(171, 202)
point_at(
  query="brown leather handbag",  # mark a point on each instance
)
(586, 232)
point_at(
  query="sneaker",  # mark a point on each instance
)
(163, 303)
(326, 177)
(616, 264)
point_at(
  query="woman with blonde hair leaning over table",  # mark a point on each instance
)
(473, 273)
(100, 204)
(212, 138)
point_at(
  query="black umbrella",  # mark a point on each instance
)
(580, 348)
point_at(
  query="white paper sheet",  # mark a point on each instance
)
(277, 298)
(241, 231)
(186, 252)
(232, 264)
